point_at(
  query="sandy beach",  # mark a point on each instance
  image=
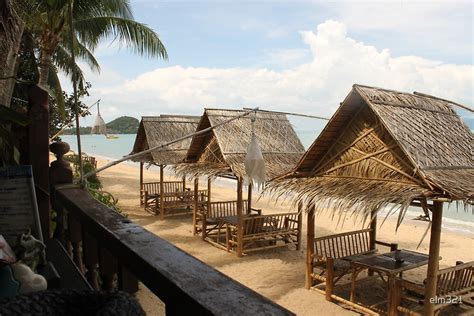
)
(277, 274)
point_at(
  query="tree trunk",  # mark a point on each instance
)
(45, 61)
(11, 29)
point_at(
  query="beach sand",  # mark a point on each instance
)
(278, 274)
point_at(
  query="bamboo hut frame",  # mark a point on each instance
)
(222, 151)
(153, 131)
(386, 147)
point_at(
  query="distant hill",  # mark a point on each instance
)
(121, 125)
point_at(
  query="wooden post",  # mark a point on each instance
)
(300, 224)
(38, 135)
(373, 231)
(249, 197)
(208, 209)
(90, 252)
(108, 267)
(141, 183)
(196, 204)
(310, 245)
(184, 183)
(240, 226)
(60, 172)
(162, 194)
(433, 260)
(372, 235)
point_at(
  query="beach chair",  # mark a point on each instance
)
(265, 232)
(333, 253)
(175, 197)
(455, 286)
(206, 220)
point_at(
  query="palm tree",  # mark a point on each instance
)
(93, 21)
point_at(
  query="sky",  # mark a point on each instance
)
(298, 56)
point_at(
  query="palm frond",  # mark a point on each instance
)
(62, 59)
(86, 8)
(143, 40)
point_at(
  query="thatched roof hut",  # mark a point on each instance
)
(157, 130)
(383, 146)
(222, 151)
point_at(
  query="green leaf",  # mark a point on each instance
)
(10, 116)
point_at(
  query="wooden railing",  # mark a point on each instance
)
(112, 252)
(107, 246)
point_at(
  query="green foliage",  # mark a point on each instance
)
(94, 186)
(58, 121)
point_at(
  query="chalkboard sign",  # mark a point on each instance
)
(18, 208)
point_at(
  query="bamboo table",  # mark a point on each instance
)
(386, 264)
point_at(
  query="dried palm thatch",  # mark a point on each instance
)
(157, 130)
(383, 147)
(222, 151)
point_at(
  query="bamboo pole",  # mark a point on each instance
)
(433, 260)
(372, 234)
(162, 146)
(300, 224)
(373, 231)
(162, 193)
(249, 197)
(310, 245)
(196, 203)
(240, 225)
(141, 184)
(204, 215)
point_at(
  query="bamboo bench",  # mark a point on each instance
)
(455, 286)
(206, 219)
(265, 232)
(333, 253)
(175, 196)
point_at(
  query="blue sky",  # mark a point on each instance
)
(287, 55)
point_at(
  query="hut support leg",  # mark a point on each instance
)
(208, 209)
(300, 225)
(310, 246)
(240, 233)
(195, 209)
(372, 234)
(141, 184)
(249, 197)
(162, 194)
(433, 261)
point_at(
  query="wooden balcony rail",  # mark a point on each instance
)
(108, 247)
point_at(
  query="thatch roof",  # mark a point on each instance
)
(383, 146)
(222, 150)
(157, 130)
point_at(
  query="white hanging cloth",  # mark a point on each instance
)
(99, 126)
(254, 163)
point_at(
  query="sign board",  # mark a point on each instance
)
(18, 208)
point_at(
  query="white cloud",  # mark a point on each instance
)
(316, 87)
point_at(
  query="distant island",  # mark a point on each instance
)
(121, 125)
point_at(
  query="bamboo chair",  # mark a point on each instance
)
(333, 253)
(175, 196)
(455, 285)
(265, 232)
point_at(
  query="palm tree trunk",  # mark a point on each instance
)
(45, 61)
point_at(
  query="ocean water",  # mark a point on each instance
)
(455, 216)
